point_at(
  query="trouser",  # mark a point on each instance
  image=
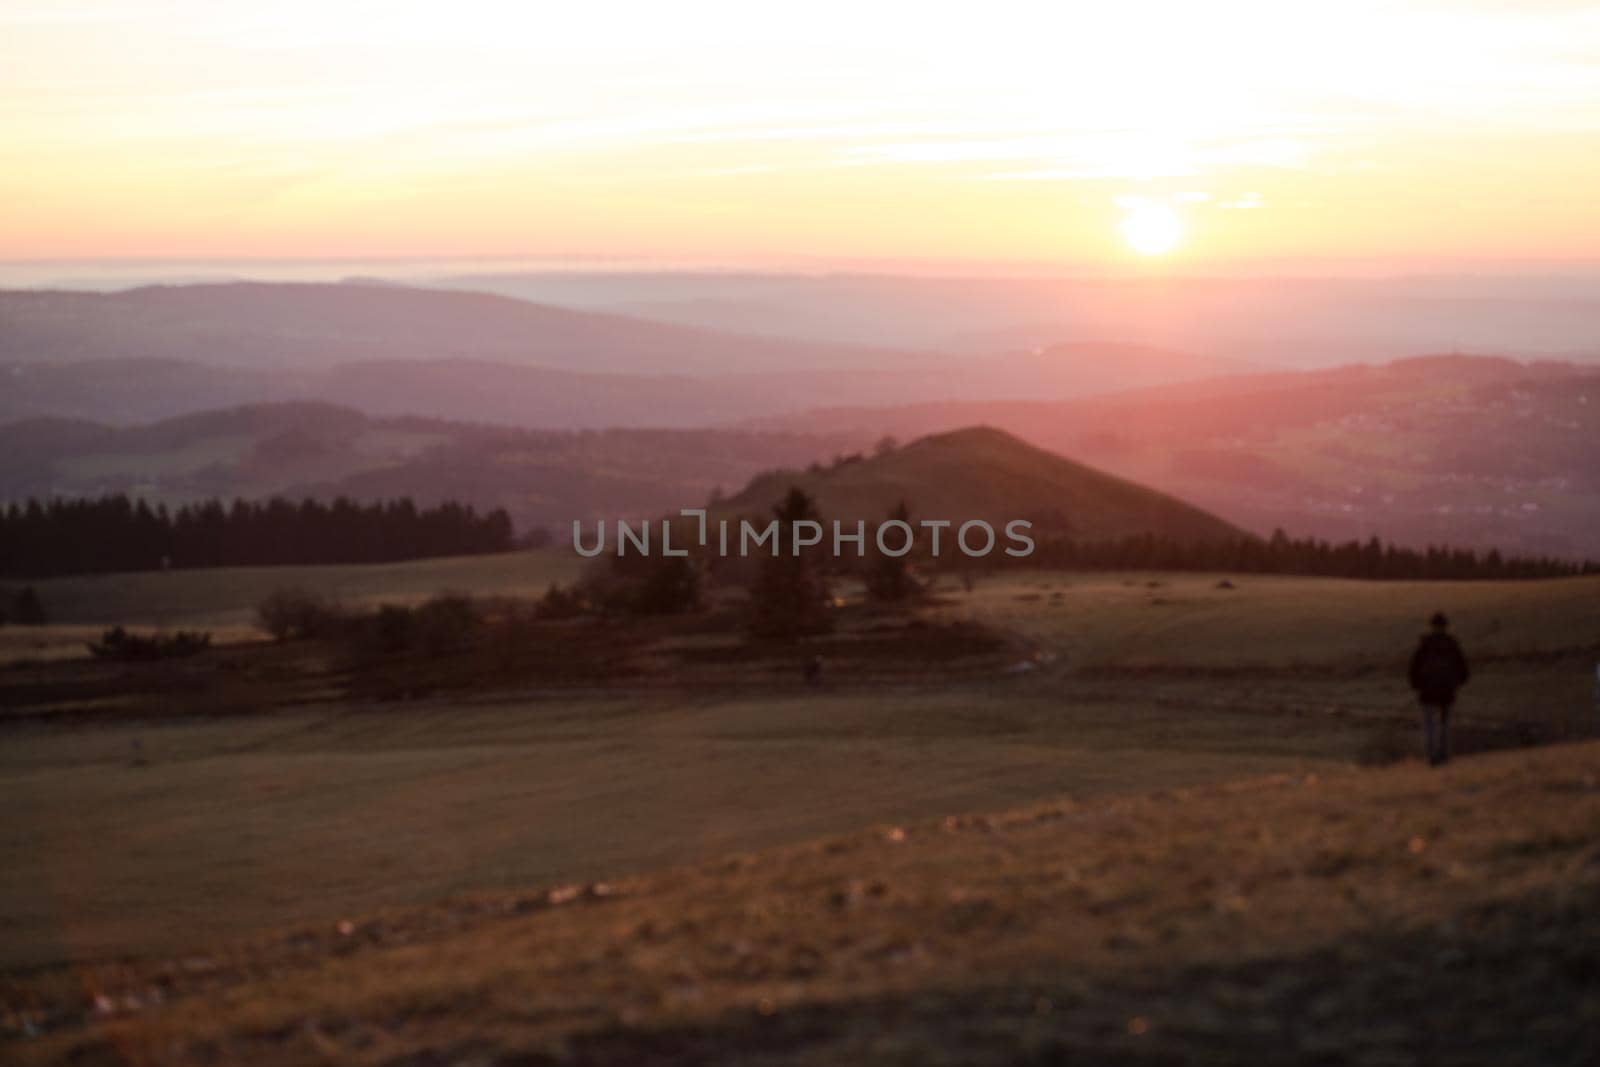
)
(1436, 732)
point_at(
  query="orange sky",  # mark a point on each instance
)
(995, 132)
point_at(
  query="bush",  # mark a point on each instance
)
(28, 610)
(289, 614)
(559, 603)
(643, 585)
(119, 644)
(446, 623)
(393, 628)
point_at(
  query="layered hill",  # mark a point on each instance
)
(1444, 449)
(163, 351)
(985, 473)
(324, 450)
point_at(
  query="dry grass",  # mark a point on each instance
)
(1379, 917)
(241, 824)
(1279, 904)
(1274, 623)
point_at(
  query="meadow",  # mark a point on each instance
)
(154, 833)
(223, 600)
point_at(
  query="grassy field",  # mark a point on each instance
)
(227, 597)
(160, 834)
(1281, 623)
(1345, 917)
(237, 825)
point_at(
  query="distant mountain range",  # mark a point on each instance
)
(1295, 322)
(164, 351)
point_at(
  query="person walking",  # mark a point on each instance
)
(1438, 669)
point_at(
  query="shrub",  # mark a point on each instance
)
(28, 610)
(393, 628)
(446, 623)
(288, 614)
(559, 603)
(643, 585)
(118, 643)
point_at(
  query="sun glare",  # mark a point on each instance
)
(1152, 229)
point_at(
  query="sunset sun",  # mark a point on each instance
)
(1151, 229)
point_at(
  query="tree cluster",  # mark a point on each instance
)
(116, 533)
(1281, 554)
(118, 644)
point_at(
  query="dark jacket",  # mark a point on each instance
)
(1438, 668)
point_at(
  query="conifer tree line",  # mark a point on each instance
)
(117, 533)
(1281, 554)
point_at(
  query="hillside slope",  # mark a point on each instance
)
(1404, 915)
(984, 473)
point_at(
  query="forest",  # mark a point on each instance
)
(118, 533)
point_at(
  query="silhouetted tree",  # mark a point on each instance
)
(790, 597)
(888, 578)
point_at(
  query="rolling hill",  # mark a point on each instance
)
(984, 473)
(1465, 450)
(163, 351)
(323, 450)
(550, 478)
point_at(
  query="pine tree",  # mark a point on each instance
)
(790, 598)
(888, 578)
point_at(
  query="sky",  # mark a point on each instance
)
(1112, 135)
